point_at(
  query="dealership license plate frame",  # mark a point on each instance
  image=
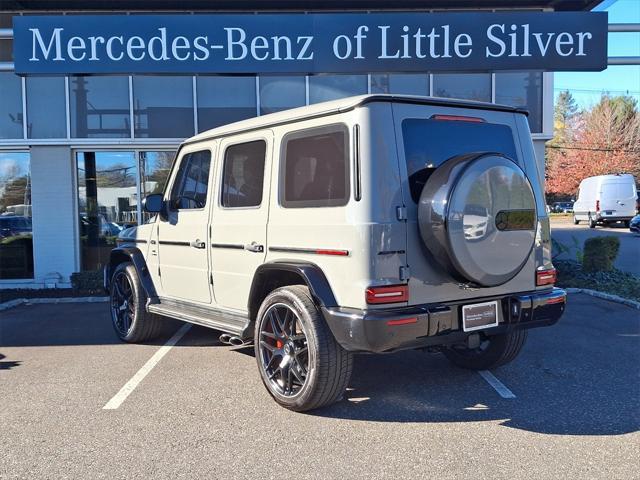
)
(493, 305)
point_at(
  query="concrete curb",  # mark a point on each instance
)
(33, 301)
(605, 296)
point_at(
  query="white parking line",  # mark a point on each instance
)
(497, 385)
(130, 386)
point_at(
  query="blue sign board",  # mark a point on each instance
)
(310, 43)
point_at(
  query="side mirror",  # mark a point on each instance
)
(155, 204)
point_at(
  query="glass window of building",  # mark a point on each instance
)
(16, 240)
(10, 106)
(154, 171)
(243, 176)
(331, 87)
(99, 107)
(46, 109)
(281, 93)
(316, 168)
(163, 107)
(223, 100)
(107, 203)
(522, 89)
(6, 50)
(467, 86)
(408, 84)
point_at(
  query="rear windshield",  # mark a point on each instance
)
(429, 143)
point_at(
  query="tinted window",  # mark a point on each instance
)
(280, 93)
(99, 107)
(522, 89)
(243, 174)
(323, 88)
(428, 143)
(192, 181)
(46, 111)
(223, 100)
(10, 105)
(470, 86)
(316, 168)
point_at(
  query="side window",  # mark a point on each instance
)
(315, 168)
(192, 181)
(243, 174)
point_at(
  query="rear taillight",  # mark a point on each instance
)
(546, 277)
(597, 205)
(387, 294)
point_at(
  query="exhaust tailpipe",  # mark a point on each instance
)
(232, 340)
(225, 338)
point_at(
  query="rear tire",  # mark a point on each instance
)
(575, 220)
(300, 363)
(592, 222)
(128, 300)
(627, 223)
(494, 351)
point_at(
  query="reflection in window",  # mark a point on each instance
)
(331, 87)
(46, 110)
(163, 107)
(6, 50)
(223, 100)
(192, 181)
(316, 168)
(467, 86)
(407, 84)
(243, 174)
(281, 93)
(99, 107)
(154, 171)
(10, 106)
(16, 241)
(107, 203)
(522, 89)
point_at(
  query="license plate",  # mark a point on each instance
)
(608, 212)
(479, 316)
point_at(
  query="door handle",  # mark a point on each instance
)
(254, 247)
(197, 244)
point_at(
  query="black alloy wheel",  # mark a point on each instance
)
(284, 352)
(122, 303)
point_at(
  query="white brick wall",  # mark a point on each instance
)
(54, 222)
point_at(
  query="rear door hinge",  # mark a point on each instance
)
(405, 273)
(401, 213)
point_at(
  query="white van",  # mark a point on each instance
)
(606, 199)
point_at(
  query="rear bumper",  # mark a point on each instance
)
(613, 218)
(437, 324)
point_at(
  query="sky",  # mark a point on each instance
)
(586, 87)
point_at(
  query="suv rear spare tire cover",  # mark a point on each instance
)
(477, 217)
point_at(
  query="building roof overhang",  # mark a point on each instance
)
(316, 5)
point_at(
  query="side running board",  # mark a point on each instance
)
(224, 321)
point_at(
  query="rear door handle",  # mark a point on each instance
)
(197, 244)
(254, 247)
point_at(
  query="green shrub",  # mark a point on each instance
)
(600, 253)
(91, 280)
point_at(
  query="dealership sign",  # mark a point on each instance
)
(310, 43)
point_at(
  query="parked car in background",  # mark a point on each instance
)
(562, 207)
(606, 199)
(14, 225)
(634, 224)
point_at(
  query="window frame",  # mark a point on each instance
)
(222, 170)
(310, 132)
(175, 177)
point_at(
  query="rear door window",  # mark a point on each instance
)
(428, 143)
(243, 176)
(315, 168)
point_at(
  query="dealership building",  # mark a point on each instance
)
(82, 142)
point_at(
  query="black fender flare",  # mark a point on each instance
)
(126, 253)
(270, 273)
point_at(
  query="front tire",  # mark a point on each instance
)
(300, 363)
(494, 351)
(129, 316)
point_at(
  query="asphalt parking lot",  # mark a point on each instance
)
(202, 411)
(564, 231)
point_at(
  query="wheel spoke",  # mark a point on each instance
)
(264, 344)
(269, 335)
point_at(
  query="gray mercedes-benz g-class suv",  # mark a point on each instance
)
(370, 224)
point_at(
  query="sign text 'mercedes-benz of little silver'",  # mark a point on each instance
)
(310, 43)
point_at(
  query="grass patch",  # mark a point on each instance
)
(615, 282)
